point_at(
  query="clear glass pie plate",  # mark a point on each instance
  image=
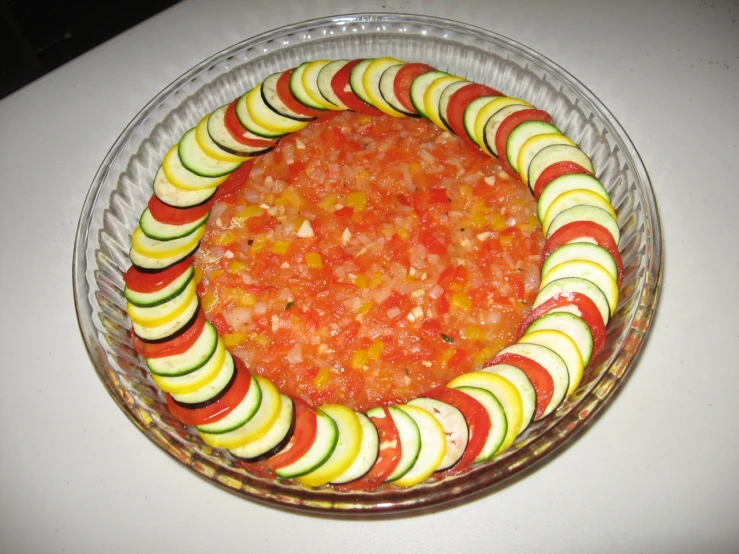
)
(123, 185)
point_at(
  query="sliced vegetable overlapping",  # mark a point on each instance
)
(478, 415)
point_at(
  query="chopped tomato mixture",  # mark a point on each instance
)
(366, 260)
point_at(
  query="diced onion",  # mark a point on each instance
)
(295, 354)
(436, 292)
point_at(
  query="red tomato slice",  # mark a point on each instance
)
(340, 85)
(306, 428)
(510, 123)
(403, 79)
(540, 378)
(478, 423)
(459, 102)
(286, 95)
(152, 281)
(164, 213)
(174, 345)
(387, 459)
(555, 170)
(588, 313)
(237, 130)
(577, 229)
(220, 407)
(235, 181)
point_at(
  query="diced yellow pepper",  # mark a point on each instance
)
(292, 196)
(462, 301)
(208, 300)
(403, 233)
(224, 239)
(497, 222)
(259, 243)
(236, 266)
(484, 355)
(359, 359)
(321, 379)
(375, 349)
(198, 276)
(328, 202)
(506, 241)
(377, 278)
(357, 200)
(280, 247)
(233, 339)
(313, 260)
(250, 211)
(473, 333)
(447, 355)
(360, 281)
(465, 191)
(243, 297)
(262, 340)
(365, 307)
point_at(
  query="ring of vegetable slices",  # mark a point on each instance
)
(476, 416)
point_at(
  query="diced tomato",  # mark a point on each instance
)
(164, 213)
(219, 408)
(174, 345)
(404, 79)
(438, 196)
(540, 378)
(387, 458)
(432, 244)
(553, 171)
(221, 325)
(344, 213)
(589, 313)
(341, 88)
(459, 102)
(237, 130)
(151, 281)
(261, 223)
(478, 423)
(461, 359)
(286, 95)
(304, 435)
(507, 126)
(431, 328)
(578, 229)
(453, 275)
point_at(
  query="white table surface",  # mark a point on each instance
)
(658, 470)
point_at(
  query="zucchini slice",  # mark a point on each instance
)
(410, 442)
(273, 101)
(572, 198)
(222, 136)
(368, 453)
(199, 378)
(433, 447)
(453, 423)
(533, 146)
(183, 178)
(164, 231)
(150, 299)
(493, 124)
(327, 435)
(563, 345)
(521, 134)
(347, 449)
(432, 98)
(156, 248)
(191, 359)
(309, 77)
(554, 154)
(211, 148)
(565, 183)
(325, 76)
(486, 111)
(419, 86)
(266, 118)
(575, 284)
(550, 361)
(257, 426)
(573, 326)
(153, 316)
(523, 384)
(371, 85)
(507, 395)
(272, 439)
(586, 213)
(170, 327)
(444, 99)
(356, 80)
(387, 89)
(244, 115)
(581, 251)
(590, 271)
(196, 160)
(176, 196)
(211, 390)
(498, 421)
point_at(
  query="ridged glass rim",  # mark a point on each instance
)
(478, 478)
